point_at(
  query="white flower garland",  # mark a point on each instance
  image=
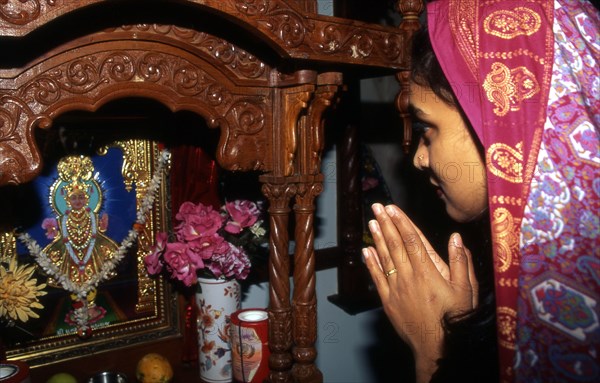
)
(81, 291)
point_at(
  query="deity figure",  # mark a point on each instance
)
(79, 245)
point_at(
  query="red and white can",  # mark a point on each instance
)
(250, 345)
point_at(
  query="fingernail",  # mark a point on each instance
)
(373, 226)
(457, 240)
(365, 254)
(391, 211)
(377, 208)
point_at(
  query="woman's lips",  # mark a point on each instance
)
(439, 192)
(438, 189)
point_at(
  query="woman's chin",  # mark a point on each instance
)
(463, 216)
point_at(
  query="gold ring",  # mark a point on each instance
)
(392, 271)
(421, 157)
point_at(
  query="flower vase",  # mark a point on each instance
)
(217, 300)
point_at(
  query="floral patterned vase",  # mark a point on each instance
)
(217, 300)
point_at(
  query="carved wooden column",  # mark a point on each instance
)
(304, 300)
(310, 185)
(297, 147)
(280, 312)
(410, 10)
(279, 187)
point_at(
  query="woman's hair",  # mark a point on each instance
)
(426, 70)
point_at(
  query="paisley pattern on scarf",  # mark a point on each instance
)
(507, 325)
(505, 162)
(560, 233)
(503, 229)
(509, 24)
(508, 88)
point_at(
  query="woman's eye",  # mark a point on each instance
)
(419, 128)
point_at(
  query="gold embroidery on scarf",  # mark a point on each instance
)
(505, 239)
(505, 162)
(506, 88)
(512, 54)
(508, 24)
(507, 326)
(507, 200)
(463, 22)
(508, 282)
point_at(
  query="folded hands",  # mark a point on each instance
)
(417, 288)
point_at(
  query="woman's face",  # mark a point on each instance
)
(447, 151)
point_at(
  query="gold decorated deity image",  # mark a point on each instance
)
(79, 246)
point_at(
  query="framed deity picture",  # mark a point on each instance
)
(78, 218)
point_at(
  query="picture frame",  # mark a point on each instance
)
(131, 307)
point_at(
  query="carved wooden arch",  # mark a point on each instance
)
(24, 17)
(113, 69)
(292, 28)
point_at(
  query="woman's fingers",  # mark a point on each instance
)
(402, 249)
(457, 259)
(461, 269)
(414, 250)
(388, 241)
(372, 261)
(439, 263)
(473, 278)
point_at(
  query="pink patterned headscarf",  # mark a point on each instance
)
(526, 74)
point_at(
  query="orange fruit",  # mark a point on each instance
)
(153, 368)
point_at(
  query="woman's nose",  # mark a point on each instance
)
(420, 160)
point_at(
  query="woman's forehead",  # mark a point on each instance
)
(423, 102)
(415, 99)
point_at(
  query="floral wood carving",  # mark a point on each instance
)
(291, 31)
(90, 80)
(24, 11)
(246, 129)
(19, 158)
(284, 22)
(239, 62)
(323, 98)
(319, 37)
(357, 43)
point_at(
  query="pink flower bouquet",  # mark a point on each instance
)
(208, 241)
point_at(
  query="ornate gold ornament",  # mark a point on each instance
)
(507, 326)
(506, 240)
(507, 88)
(505, 162)
(511, 23)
